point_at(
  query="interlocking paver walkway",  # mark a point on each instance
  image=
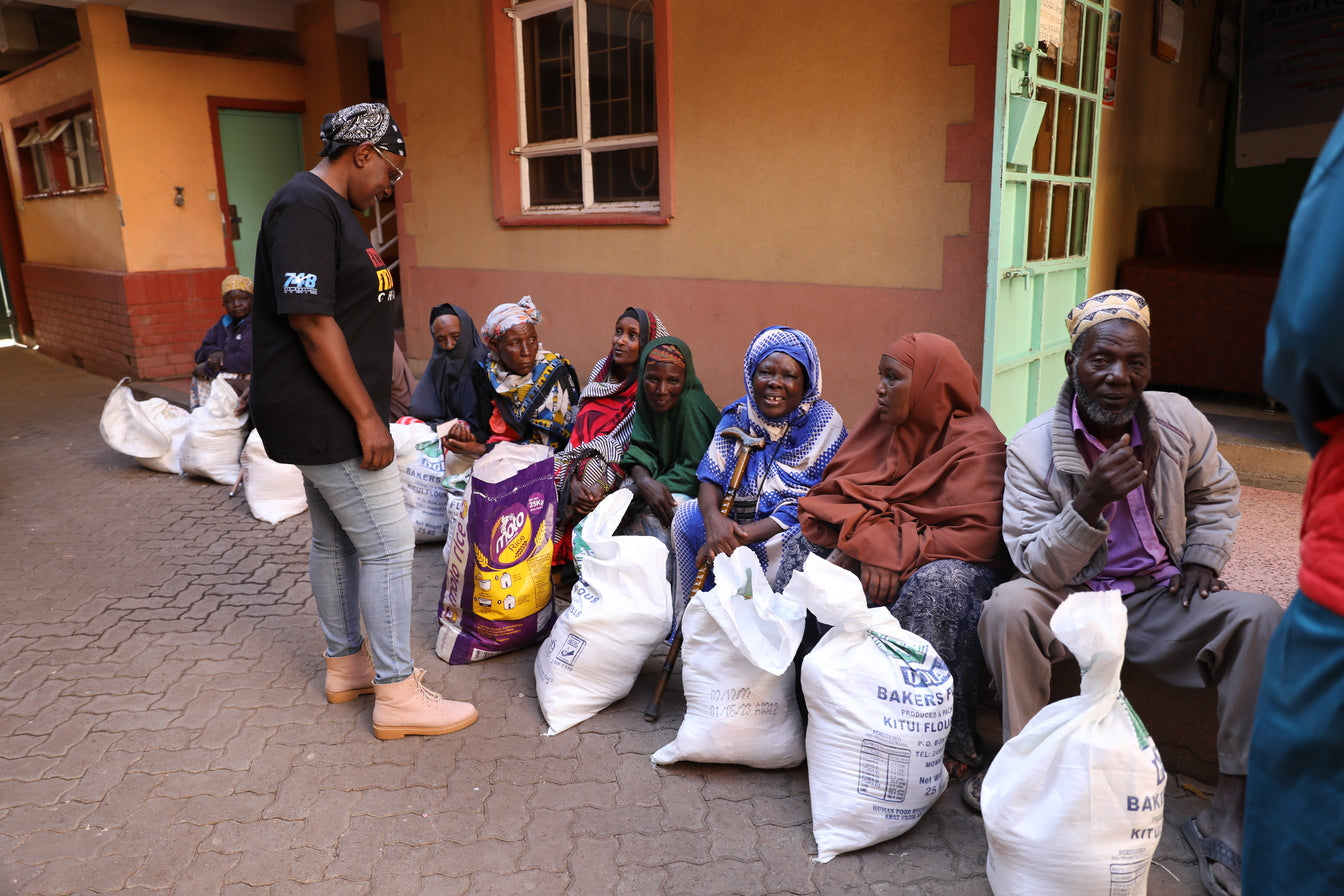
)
(163, 727)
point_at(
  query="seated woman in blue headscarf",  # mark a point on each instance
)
(446, 392)
(527, 394)
(783, 406)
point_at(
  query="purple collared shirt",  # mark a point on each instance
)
(1133, 548)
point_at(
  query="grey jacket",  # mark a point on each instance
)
(1193, 492)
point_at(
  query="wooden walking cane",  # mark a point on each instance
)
(749, 444)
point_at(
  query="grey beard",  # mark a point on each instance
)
(1094, 414)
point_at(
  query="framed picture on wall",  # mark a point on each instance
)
(1168, 29)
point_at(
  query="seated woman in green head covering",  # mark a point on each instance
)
(674, 421)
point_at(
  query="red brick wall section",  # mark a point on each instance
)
(145, 325)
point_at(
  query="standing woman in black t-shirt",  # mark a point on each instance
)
(322, 383)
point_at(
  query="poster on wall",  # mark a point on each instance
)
(1292, 81)
(1168, 29)
(1112, 60)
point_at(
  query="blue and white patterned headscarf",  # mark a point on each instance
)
(797, 448)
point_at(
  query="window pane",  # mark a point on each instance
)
(1078, 229)
(1092, 43)
(93, 153)
(1040, 154)
(555, 180)
(1059, 221)
(1071, 52)
(626, 175)
(41, 167)
(1064, 135)
(1039, 218)
(1086, 111)
(620, 68)
(548, 76)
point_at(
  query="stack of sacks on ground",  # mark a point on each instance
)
(1073, 804)
(423, 466)
(149, 431)
(214, 439)
(879, 706)
(274, 490)
(737, 672)
(620, 611)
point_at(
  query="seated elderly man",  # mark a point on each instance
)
(1118, 488)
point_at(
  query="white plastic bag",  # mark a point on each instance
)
(274, 490)
(879, 706)
(1073, 804)
(214, 439)
(740, 638)
(620, 610)
(150, 431)
(422, 465)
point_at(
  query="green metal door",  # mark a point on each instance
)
(1041, 214)
(261, 150)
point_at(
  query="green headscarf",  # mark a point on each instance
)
(671, 445)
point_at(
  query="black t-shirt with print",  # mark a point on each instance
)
(314, 258)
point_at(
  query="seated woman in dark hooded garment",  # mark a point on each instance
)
(446, 392)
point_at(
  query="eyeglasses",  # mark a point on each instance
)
(396, 172)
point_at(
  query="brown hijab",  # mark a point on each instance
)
(930, 489)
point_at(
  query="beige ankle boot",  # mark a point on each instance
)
(350, 676)
(408, 707)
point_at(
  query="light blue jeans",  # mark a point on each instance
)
(360, 562)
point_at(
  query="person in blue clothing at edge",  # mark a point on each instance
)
(1117, 487)
(320, 396)
(1294, 841)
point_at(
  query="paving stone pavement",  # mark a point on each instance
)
(164, 727)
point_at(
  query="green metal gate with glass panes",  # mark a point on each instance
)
(1041, 214)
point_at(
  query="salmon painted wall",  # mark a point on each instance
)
(68, 230)
(1161, 143)
(157, 132)
(831, 172)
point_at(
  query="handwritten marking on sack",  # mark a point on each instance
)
(736, 703)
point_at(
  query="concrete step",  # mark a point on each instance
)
(1261, 444)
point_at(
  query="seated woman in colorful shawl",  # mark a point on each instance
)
(674, 421)
(802, 432)
(227, 346)
(913, 504)
(530, 392)
(588, 469)
(447, 393)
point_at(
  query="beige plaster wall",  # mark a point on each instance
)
(1161, 143)
(809, 147)
(810, 154)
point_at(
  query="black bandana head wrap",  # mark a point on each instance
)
(362, 123)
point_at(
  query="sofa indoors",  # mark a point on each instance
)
(1209, 297)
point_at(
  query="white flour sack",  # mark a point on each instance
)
(214, 440)
(421, 463)
(274, 490)
(1073, 804)
(620, 610)
(879, 706)
(150, 431)
(737, 672)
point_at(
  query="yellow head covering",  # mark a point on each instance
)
(235, 281)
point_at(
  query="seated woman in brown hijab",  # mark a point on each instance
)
(913, 504)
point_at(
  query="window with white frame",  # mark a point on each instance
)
(587, 102)
(60, 152)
